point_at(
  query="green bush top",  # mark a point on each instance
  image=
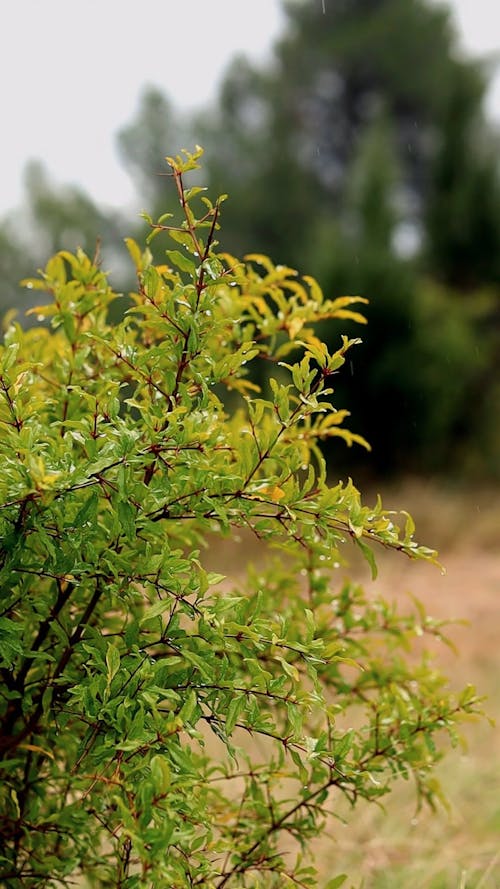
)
(162, 726)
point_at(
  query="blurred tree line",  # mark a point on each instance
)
(361, 154)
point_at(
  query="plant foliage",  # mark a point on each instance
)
(162, 726)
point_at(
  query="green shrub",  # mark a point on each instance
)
(162, 726)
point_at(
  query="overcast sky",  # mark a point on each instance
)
(72, 73)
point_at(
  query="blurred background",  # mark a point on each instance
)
(358, 141)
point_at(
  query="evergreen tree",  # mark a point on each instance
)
(301, 121)
(463, 213)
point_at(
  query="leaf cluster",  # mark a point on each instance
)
(162, 726)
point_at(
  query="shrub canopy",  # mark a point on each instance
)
(161, 725)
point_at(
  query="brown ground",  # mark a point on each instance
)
(460, 850)
(464, 526)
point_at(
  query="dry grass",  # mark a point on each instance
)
(459, 850)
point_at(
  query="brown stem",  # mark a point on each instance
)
(10, 742)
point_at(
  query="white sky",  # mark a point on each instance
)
(71, 74)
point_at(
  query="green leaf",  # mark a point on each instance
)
(160, 773)
(193, 191)
(135, 252)
(10, 355)
(11, 642)
(236, 706)
(189, 707)
(126, 516)
(156, 610)
(182, 262)
(369, 556)
(336, 882)
(112, 661)
(88, 512)
(183, 238)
